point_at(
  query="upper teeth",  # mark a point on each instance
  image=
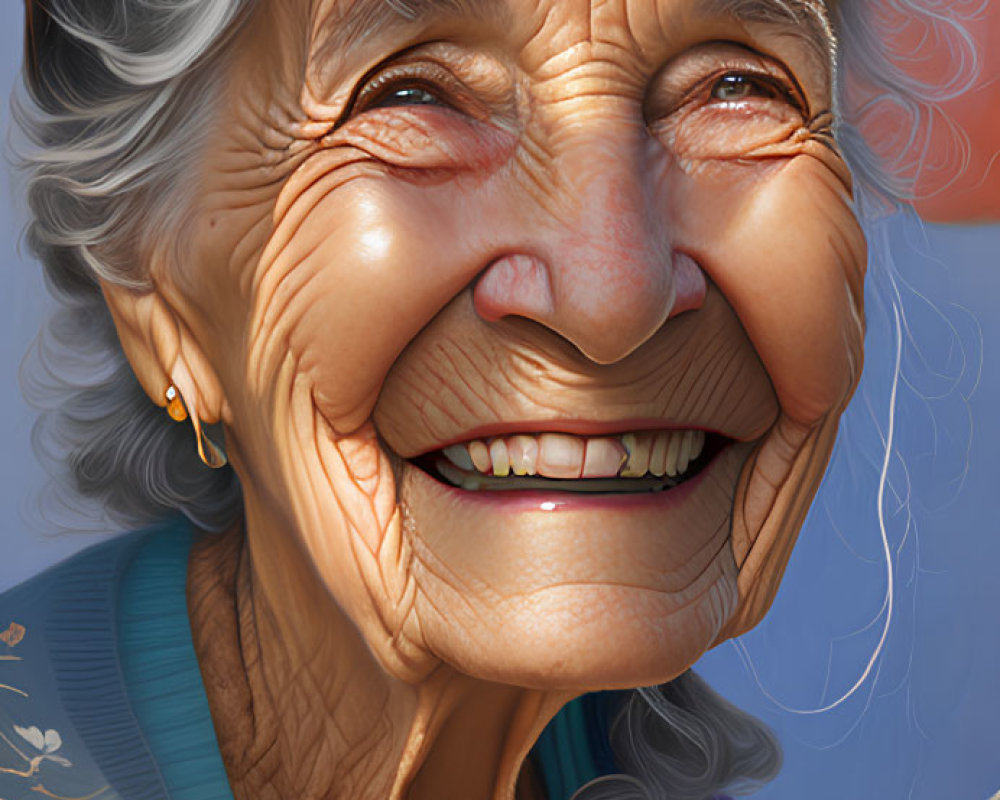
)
(559, 455)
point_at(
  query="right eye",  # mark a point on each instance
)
(407, 85)
(393, 91)
(406, 96)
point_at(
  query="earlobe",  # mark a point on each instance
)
(164, 354)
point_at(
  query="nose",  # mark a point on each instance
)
(597, 265)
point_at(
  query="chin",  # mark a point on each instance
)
(574, 590)
(582, 639)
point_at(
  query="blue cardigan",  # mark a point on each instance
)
(101, 696)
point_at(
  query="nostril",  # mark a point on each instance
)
(515, 284)
(690, 285)
(605, 306)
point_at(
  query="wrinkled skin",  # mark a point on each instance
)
(572, 230)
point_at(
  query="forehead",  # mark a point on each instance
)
(348, 21)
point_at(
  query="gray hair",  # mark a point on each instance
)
(683, 741)
(117, 94)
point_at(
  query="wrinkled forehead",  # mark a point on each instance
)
(347, 21)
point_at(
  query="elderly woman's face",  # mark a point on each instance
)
(533, 318)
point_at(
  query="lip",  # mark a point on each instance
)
(555, 501)
(567, 426)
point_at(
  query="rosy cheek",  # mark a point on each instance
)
(376, 256)
(780, 240)
(763, 204)
(720, 131)
(426, 138)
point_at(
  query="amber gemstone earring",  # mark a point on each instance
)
(175, 406)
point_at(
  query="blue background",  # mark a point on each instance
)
(924, 723)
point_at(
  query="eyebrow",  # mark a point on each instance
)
(808, 20)
(412, 9)
(365, 18)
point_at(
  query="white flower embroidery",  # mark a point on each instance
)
(46, 743)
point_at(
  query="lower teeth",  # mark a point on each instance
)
(475, 482)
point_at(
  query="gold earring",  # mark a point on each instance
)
(211, 454)
(175, 406)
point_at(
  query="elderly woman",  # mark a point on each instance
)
(524, 326)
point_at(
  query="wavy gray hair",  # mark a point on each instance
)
(117, 98)
(117, 94)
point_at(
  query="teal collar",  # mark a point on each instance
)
(166, 692)
(161, 671)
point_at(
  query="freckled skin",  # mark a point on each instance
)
(574, 230)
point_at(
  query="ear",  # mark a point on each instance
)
(163, 351)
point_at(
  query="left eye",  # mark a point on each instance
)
(734, 86)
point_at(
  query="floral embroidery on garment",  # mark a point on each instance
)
(31, 748)
(13, 635)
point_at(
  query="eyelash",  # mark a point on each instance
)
(765, 84)
(376, 97)
(768, 86)
(382, 84)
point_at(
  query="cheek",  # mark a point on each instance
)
(781, 241)
(365, 268)
(372, 236)
(777, 234)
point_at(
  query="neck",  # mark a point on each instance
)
(302, 709)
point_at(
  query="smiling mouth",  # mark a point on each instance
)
(631, 463)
